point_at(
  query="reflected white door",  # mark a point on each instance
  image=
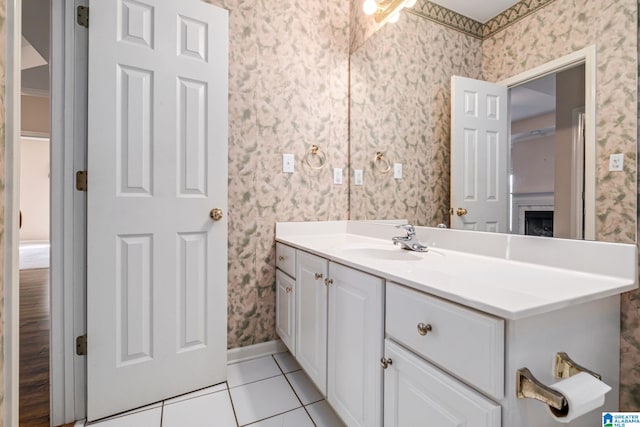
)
(157, 166)
(479, 152)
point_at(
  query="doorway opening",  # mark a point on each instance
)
(547, 159)
(34, 235)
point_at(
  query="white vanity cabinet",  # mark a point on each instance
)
(355, 346)
(311, 317)
(468, 344)
(286, 310)
(285, 295)
(416, 393)
(339, 334)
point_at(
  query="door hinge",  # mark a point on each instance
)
(81, 345)
(83, 16)
(81, 180)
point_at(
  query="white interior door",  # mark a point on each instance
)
(157, 166)
(479, 155)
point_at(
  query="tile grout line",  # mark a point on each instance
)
(294, 392)
(233, 408)
(256, 381)
(268, 418)
(185, 398)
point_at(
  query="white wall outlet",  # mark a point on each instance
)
(358, 176)
(288, 163)
(337, 176)
(616, 162)
(397, 170)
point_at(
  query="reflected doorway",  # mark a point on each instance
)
(547, 155)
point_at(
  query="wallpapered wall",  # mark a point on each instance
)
(559, 28)
(400, 105)
(288, 89)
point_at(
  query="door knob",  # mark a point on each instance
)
(328, 282)
(462, 212)
(216, 214)
(385, 362)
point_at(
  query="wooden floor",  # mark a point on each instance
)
(34, 348)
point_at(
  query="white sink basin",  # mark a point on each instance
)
(391, 253)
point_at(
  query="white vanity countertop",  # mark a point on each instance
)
(505, 275)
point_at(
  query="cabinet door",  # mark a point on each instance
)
(416, 393)
(286, 310)
(356, 334)
(311, 317)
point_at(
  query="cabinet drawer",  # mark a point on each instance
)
(286, 259)
(462, 341)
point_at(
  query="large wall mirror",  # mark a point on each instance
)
(553, 177)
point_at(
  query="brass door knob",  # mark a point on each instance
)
(280, 258)
(289, 290)
(385, 363)
(462, 212)
(424, 329)
(216, 214)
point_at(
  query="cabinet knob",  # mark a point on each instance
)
(281, 258)
(289, 290)
(319, 276)
(424, 329)
(328, 281)
(385, 363)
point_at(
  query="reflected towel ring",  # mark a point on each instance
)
(322, 158)
(381, 163)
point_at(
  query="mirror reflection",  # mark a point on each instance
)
(401, 109)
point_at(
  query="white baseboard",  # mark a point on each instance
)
(241, 354)
(80, 423)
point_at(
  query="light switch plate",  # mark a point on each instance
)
(337, 176)
(616, 162)
(358, 176)
(397, 170)
(288, 163)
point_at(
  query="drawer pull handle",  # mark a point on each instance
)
(424, 329)
(328, 281)
(385, 363)
(319, 276)
(289, 290)
(280, 258)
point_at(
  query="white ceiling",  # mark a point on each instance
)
(533, 98)
(480, 10)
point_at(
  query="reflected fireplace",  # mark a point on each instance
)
(538, 223)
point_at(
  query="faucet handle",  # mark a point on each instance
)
(410, 229)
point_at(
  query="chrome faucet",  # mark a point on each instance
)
(409, 241)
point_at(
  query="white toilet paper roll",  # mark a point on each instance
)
(583, 392)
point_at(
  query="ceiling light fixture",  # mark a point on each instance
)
(386, 10)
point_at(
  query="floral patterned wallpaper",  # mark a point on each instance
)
(288, 89)
(400, 106)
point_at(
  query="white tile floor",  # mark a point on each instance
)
(270, 391)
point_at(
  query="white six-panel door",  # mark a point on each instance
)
(157, 166)
(479, 155)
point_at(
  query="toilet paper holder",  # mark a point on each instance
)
(527, 386)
